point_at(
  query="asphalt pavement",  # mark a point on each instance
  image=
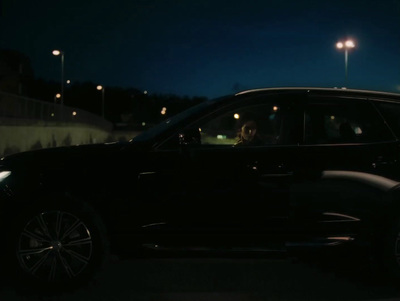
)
(209, 279)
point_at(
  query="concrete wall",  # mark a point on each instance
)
(18, 138)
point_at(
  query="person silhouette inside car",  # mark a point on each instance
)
(247, 134)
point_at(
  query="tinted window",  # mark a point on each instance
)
(272, 121)
(164, 126)
(391, 113)
(337, 121)
(263, 121)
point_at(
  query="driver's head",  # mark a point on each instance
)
(249, 130)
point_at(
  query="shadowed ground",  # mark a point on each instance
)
(211, 279)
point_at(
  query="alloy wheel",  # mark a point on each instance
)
(54, 246)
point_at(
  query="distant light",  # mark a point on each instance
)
(275, 108)
(163, 111)
(56, 52)
(52, 114)
(58, 95)
(236, 116)
(99, 87)
(358, 130)
(143, 123)
(145, 92)
(349, 44)
(74, 113)
(221, 136)
(68, 81)
(332, 117)
(199, 129)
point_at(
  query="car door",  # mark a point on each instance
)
(221, 195)
(341, 134)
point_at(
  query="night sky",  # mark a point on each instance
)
(207, 47)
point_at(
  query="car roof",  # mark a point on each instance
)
(333, 91)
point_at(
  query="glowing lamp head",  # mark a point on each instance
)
(339, 45)
(349, 44)
(56, 52)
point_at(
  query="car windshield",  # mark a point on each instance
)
(171, 122)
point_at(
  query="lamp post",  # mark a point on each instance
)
(101, 88)
(61, 53)
(346, 46)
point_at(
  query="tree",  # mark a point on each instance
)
(16, 72)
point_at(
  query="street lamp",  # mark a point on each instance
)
(57, 96)
(346, 46)
(57, 53)
(101, 88)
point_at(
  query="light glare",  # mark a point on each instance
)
(4, 174)
(339, 45)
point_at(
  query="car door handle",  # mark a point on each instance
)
(252, 167)
(382, 161)
(277, 175)
(278, 171)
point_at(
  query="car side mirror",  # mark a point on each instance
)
(190, 136)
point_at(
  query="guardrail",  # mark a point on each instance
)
(15, 107)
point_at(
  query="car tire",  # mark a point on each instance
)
(59, 245)
(390, 254)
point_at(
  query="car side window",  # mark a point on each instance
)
(263, 121)
(254, 126)
(270, 122)
(338, 121)
(391, 113)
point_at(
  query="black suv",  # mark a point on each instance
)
(276, 169)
